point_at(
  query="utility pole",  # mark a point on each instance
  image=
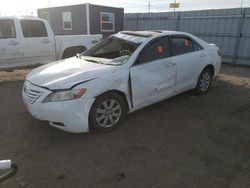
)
(26, 10)
(241, 5)
(149, 6)
(49, 10)
(174, 7)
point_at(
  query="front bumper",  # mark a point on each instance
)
(70, 116)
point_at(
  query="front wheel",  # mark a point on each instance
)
(107, 112)
(204, 82)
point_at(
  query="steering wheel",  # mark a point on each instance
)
(125, 52)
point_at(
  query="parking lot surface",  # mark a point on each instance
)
(186, 141)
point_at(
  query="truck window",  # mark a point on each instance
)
(7, 29)
(33, 28)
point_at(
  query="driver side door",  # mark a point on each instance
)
(153, 76)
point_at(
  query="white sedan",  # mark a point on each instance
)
(121, 74)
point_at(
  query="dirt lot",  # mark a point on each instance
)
(187, 141)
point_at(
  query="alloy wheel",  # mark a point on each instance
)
(108, 113)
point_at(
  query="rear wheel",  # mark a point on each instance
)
(204, 82)
(107, 112)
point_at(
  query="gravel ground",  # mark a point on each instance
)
(187, 141)
(15, 74)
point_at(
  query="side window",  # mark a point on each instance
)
(197, 47)
(182, 45)
(158, 49)
(33, 28)
(7, 29)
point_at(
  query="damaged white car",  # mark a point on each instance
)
(121, 74)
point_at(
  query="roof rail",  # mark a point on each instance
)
(28, 16)
(137, 33)
(157, 31)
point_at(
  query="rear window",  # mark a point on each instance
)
(7, 29)
(33, 28)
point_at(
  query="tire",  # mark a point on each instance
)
(204, 81)
(107, 112)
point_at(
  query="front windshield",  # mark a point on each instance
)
(112, 51)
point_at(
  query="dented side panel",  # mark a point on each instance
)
(152, 81)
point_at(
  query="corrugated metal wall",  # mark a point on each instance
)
(227, 28)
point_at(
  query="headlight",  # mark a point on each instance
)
(65, 95)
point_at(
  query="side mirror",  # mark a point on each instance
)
(78, 55)
(7, 164)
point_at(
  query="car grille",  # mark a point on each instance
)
(31, 94)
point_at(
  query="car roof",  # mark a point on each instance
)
(20, 17)
(141, 36)
(151, 33)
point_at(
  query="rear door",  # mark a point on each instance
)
(38, 45)
(189, 57)
(153, 77)
(11, 49)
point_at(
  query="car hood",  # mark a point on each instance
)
(67, 73)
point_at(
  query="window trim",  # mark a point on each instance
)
(167, 37)
(67, 29)
(14, 24)
(184, 37)
(194, 41)
(101, 22)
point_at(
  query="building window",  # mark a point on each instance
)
(67, 20)
(107, 22)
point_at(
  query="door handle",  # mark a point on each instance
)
(45, 41)
(202, 55)
(12, 43)
(171, 64)
(94, 41)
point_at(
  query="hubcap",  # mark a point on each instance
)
(108, 113)
(205, 81)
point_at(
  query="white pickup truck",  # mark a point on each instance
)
(30, 40)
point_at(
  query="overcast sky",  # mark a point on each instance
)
(22, 7)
